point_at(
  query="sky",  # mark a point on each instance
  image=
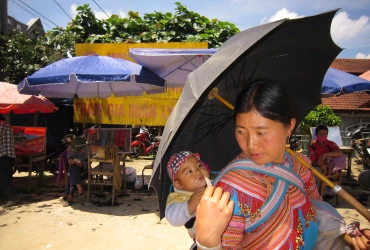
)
(350, 27)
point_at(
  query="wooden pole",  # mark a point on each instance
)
(214, 93)
(335, 188)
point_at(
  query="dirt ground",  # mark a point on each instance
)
(39, 220)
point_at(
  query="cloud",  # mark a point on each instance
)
(73, 10)
(344, 28)
(281, 14)
(362, 56)
(122, 14)
(102, 15)
(98, 14)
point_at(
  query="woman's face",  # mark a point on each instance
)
(261, 139)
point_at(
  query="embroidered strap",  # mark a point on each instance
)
(277, 172)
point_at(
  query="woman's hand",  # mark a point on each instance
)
(362, 242)
(213, 215)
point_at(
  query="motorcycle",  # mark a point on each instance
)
(359, 133)
(144, 144)
(364, 178)
(295, 144)
(361, 145)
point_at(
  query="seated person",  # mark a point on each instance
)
(326, 154)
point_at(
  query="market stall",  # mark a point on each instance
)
(30, 145)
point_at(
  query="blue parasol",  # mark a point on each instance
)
(339, 82)
(92, 76)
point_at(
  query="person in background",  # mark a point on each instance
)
(7, 158)
(188, 174)
(77, 159)
(325, 155)
(324, 150)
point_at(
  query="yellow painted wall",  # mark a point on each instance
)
(150, 110)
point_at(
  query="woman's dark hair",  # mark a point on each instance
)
(321, 127)
(269, 99)
(2, 118)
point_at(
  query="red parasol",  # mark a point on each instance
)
(12, 100)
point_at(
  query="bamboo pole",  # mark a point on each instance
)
(335, 188)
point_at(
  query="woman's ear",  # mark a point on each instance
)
(293, 121)
(177, 185)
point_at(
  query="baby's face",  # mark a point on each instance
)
(190, 176)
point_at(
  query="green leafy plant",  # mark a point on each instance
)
(321, 115)
(21, 55)
(181, 26)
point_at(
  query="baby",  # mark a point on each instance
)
(189, 176)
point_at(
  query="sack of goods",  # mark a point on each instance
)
(130, 175)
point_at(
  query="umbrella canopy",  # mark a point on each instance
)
(339, 82)
(92, 76)
(174, 65)
(11, 100)
(296, 53)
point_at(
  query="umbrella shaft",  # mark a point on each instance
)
(222, 100)
(337, 189)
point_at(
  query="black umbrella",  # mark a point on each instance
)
(296, 53)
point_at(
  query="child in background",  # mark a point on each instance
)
(188, 174)
(77, 159)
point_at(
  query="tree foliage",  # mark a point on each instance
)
(21, 55)
(182, 26)
(321, 115)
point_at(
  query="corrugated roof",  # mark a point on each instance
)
(365, 75)
(355, 101)
(352, 66)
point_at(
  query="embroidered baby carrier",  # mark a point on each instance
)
(257, 210)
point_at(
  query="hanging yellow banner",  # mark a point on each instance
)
(149, 110)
